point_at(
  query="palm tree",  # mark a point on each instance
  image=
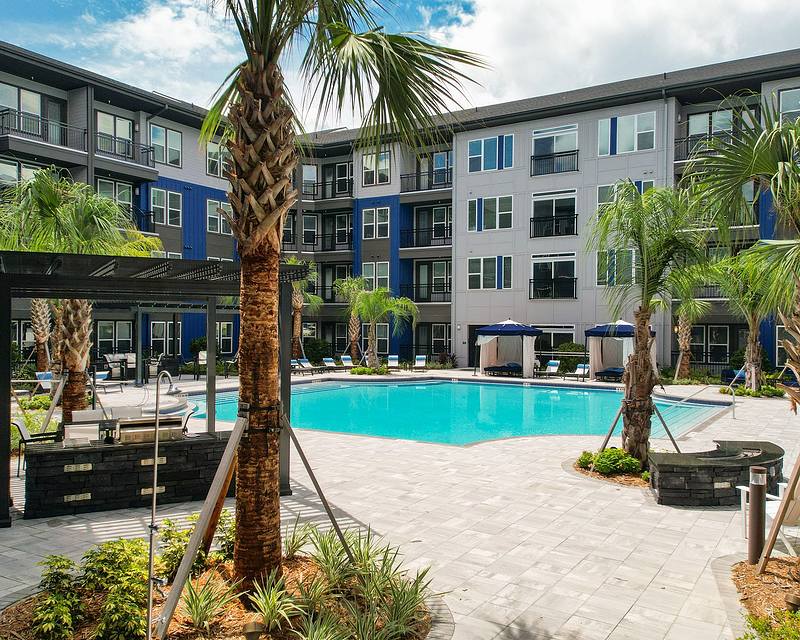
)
(40, 323)
(398, 82)
(52, 213)
(683, 283)
(301, 296)
(56, 336)
(662, 227)
(348, 289)
(379, 306)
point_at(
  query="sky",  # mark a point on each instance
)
(532, 47)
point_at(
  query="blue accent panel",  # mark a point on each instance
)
(237, 325)
(613, 135)
(145, 337)
(393, 202)
(406, 218)
(402, 341)
(358, 217)
(395, 216)
(766, 334)
(499, 274)
(405, 272)
(767, 218)
(501, 156)
(638, 185)
(193, 325)
(480, 214)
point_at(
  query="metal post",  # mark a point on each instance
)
(211, 364)
(757, 513)
(94, 386)
(138, 337)
(666, 428)
(175, 344)
(285, 372)
(5, 406)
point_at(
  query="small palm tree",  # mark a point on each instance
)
(683, 285)
(302, 297)
(52, 213)
(348, 289)
(398, 82)
(663, 227)
(379, 306)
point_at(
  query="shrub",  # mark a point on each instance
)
(36, 403)
(226, 534)
(737, 361)
(56, 613)
(331, 558)
(646, 476)
(273, 602)
(786, 626)
(383, 370)
(174, 541)
(316, 349)
(612, 461)
(122, 615)
(584, 460)
(201, 605)
(197, 345)
(405, 605)
(295, 538)
(766, 391)
(569, 363)
(110, 563)
(313, 595)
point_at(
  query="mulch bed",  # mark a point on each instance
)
(763, 595)
(625, 479)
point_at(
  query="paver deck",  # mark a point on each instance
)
(523, 546)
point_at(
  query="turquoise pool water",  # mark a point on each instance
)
(460, 413)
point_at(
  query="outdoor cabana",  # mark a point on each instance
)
(508, 342)
(171, 285)
(609, 346)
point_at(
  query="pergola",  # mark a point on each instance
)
(150, 284)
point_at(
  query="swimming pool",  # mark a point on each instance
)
(461, 412)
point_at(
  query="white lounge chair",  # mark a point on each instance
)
(307, 366)
(420, 363)
(200, 363)
(298, 368)
(102, 381)
(45, 380)
(347, 362)
(791, 520)
(330, 364)
(551, 369)
(581, 371)
(393, 362)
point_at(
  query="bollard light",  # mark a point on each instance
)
(758, 513)
(253, 630)
(758, 475)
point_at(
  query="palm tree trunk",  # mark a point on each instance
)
(258, 537)
(56, 338)
(791, 346)
(40, 323)
(354, 330)
(684, 348)
(77, 327)
(752, 356)
(297, 325)
(372, 346)
(639, 380)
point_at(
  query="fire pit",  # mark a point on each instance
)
(709, 478)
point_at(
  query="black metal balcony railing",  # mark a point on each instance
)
(709, 291)
(554, 226)
(288, 241)
(560, 162)
(438, 236)
(426, 180)
(435, 351)
(552, 288)
(434, 292)
(711, 360)
(338, 241)
(124, 149)
(328, 295)
(341, 188)
(697, 145)
(33, 127)
(142, 219)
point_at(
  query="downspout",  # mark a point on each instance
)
(157, 113)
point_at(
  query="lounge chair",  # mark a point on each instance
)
(298, 368)
(230, 363)
(200, 364)
(347, 362)
(791, 519)
(581, 371)
(731, 376)
(330, 364)
(420, 363)
(393, 362)
(611, 374)
(45, 380)
(551, 369)
(114, 362)
(102, 381)
(306, 364)
(509, 369)
(25, 438)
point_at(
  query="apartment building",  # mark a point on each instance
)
(491, 222)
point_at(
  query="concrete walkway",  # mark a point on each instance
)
(523, 547)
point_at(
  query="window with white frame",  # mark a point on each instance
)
(225, 337)
(718, 343)
(167, 145)
(440, 337)
(490, 154)
(120, 192)
(697, 343)
(166, 254)
(552, 276)
(790, 104)
(636, 132)
(114, 135)
(162, 337)
(375, 223)
(489, 273)
(217, 159)
(497, 212)
(553, 150)
(381, 335)
(174, 209)
(309, 229)
(114, 336)
(607, 192)
(309, 330)
(376, 169)
(617, 267)
(218, 259)
(341, 339)
(104, 334)
(553, 214)
(158, 205)
(553, 336)
(216, 221)
(375, 274)
(368, 273)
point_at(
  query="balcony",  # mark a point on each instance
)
(552, 288)
(288, 242)
(561, 162)
(339, 241)
(142, 219)
(554, 226)
(697, 145)
(711, 361)
(341, 188)
(328, 295)
(32, 127)
(124, 149)
(426, 292)
(438, 236)
(427, 181)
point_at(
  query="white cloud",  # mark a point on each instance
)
(536, 47)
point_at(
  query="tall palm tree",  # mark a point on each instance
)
(348, 289)
(663, 228)
(398, 82)
(40, 323)
(380, 306)
(683, 283)
(302, 297)
(50, 212)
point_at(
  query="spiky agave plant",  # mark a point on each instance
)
(397, 82)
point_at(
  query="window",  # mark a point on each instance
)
(553, 337)
(607, 192)
(309, 229)
(489, 273)
(376, 170)
(489, 213)
(9, 172)
(344, 173)
(120, 192)
(442, 167)
(790, 104)
(174, 209)
(697, 343)
(114, 135)
(375, 223)
(381, 334)
(553, 214)
(780, 352)
(218, 159)
(375, 274)
(368, 273)
(442, 222)
(309, 330)
(167, 145)
(105, 337)
(225, 337)
(555, 150)
(490, 154)
(718, 340)
(161, 338)
(633, 133)
(288, 229)
(615, 267)
(215, 221)
(710, 123)
(552, 276)
(158, 205)
(472, 215)
(440, 337)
